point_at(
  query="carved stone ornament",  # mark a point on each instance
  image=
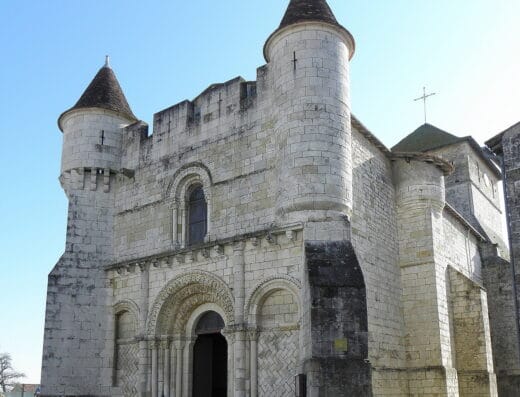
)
(175, 303)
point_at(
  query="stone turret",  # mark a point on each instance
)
(92, 136)
(308, 57)
(92, 128)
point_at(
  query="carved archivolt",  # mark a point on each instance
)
(130, 306)
(265, 288)
(185, 177)
(181, 296)
(176, 196)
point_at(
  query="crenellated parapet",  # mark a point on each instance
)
(219, 112)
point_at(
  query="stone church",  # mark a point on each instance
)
(259, 241)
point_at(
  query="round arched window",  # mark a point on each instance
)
(197, 216)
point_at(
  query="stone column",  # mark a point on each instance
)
(143, 344)
(173, 368)
(240, 335)
(175, 219)
(166, 368)
(253, 340)
(230, 339)
(208, 219)
(179, 347)
(143, 367)
(187, 373)
(183, 226)
(155, 373)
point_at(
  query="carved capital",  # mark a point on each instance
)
(252, 334)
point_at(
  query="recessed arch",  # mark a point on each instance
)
(177, 195)
(175, 304)
(126, 305)
(191, 171)
(266, 288)
(126, 348)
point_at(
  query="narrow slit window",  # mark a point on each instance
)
(197, 216)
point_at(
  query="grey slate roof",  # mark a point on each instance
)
(426, 137)
(308, 10)
(104, 92)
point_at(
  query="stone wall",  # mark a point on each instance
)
(75, 360)
(374, 230)
(510, 384)
(472, 189)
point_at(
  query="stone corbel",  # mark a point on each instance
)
(143, 266)
(180, 259)
(219, 249)
(106, 180)
(206, 253)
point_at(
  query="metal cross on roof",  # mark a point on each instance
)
(423, 98)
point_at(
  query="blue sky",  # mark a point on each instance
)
(166, 51)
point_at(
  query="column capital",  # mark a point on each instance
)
(173, 203)
(153, 343)
(165, 342)
(252, 334)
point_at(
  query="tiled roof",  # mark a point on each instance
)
(104, 92)
(308, 10)
(426, 137)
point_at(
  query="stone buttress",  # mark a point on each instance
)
(441, 306)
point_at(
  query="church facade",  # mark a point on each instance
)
(262, 242)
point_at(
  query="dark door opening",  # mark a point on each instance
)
(210, 358)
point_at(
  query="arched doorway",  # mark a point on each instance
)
(210, 357)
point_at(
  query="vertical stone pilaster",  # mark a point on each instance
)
(174, 207)
(183, 227)
(155, 370)
(253, 369)
(187, 376)
(179, 348)
(166, 367)
(143, 314)
(240, 370)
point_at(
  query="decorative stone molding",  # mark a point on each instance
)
(176, 192)
(264, 288)
(182, 255)
(182, 295)
(126, 305)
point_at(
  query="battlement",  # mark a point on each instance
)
(220, 110)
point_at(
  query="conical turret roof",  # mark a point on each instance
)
(104, 92)
(308, 10)
(300, 11)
